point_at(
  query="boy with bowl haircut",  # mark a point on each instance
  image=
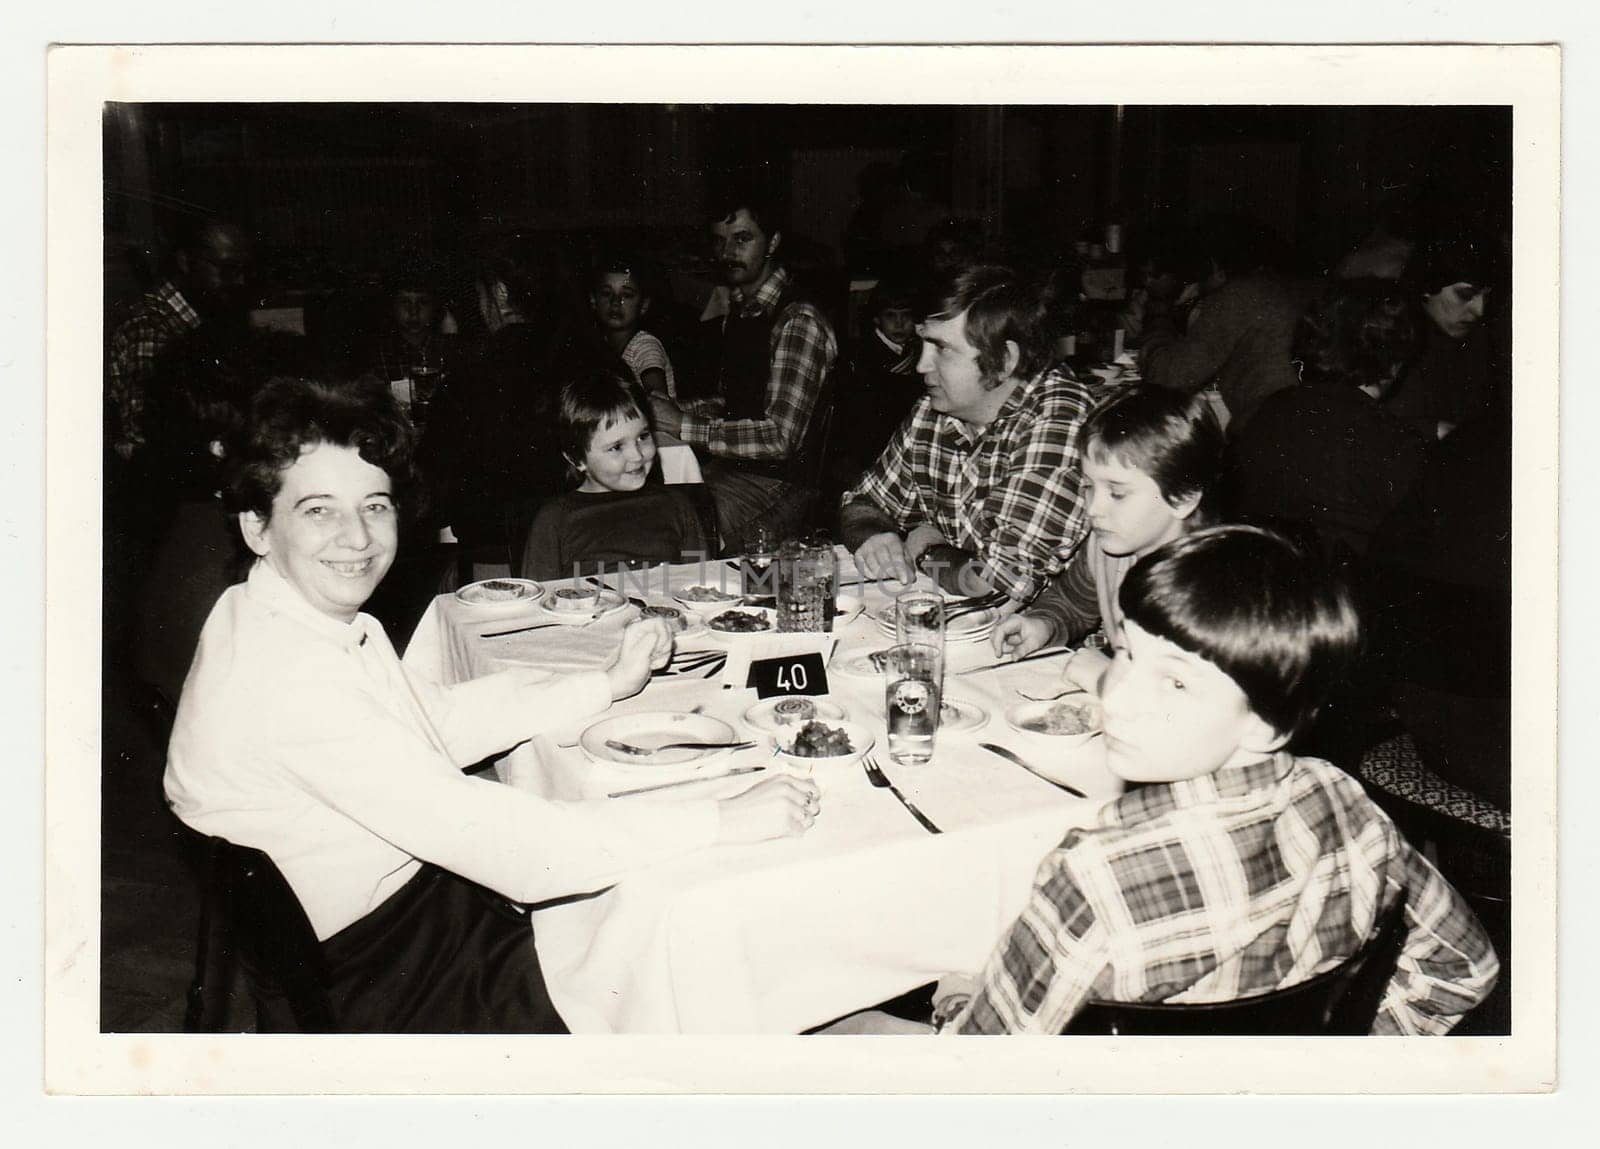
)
(1237, 868)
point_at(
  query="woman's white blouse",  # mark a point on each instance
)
(304, 737)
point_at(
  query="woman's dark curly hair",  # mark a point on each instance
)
(289, 416)
(1364, 331)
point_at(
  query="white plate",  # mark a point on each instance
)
(763, 715)
(973, 627)
(861, 741)
(500, 594)
(856, 662)
(690, 625)
(961, 716)
(723, 601)
(1023, 714)
(610, 602)
(651, 730)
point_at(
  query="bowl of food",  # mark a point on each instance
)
(702, 599)
(574, 599)
(674, 617)
(817, 743)
(741, 622)
(500, 592)
(1074, 718)
(772, 714)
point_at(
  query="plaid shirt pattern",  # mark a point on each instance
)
(803, 348)
(1012, 495)
(162, 316)
(1232, 884)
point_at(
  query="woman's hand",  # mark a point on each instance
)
(1017, 635)
(646, 644)
(1085, 668)
(776, 808)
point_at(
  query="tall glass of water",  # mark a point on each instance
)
(919, 618)
(760, 546)
(913, 674)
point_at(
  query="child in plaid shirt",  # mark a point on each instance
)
(1234, 868)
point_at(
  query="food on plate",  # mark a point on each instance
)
(575, 598)
(706, 594)
(673, 616)
(1064, 717)
(819, 740)
(496, 590)
(739, 622)
(789, 711)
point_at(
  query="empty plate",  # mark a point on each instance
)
(650, 730)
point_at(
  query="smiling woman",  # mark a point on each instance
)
(300, 734)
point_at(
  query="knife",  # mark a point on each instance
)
(1019, 661)
(685, 782)
(1010, 757)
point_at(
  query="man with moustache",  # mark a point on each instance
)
(981, 486)
(774, 355)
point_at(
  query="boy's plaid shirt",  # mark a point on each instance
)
(1225, 886)
(1012, 495)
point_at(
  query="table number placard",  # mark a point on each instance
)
(788, 674)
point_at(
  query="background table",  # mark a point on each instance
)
(781, 936)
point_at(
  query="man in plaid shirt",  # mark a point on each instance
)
(1235, 868)
(776, 351)
(211, 262)
(980, 487)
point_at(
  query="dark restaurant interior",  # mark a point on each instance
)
(345, 205)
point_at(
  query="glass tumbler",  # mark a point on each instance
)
(807, 580)
(912, 677)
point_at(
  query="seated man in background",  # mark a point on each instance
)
(1236, 868)
(1239, 335)
(773, 355)
(980, 486)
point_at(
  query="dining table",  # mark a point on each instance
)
(785, 935)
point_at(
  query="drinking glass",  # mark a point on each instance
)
(756, 556)
(919, 618)
(912, 677)
(806, 587)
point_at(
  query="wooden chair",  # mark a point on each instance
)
(1341, 1002)
(250, 915)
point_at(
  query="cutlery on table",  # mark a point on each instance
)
(523, 629)
(1011, 757)
(1052, 697)
(629, 748)
(1051, 653)
(881, 780)
(684, 782)
(974, 605)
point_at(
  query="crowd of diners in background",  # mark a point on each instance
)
(1365, 408)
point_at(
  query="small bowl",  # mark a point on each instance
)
(500, 593)
(573, 599)
(714, 599)
(1071, 720)
(772, 714)
(783, 740)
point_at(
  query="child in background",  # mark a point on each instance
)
(615, 517)
(1150, 458)
(620, 300)
(1235, 868)
(883, 384)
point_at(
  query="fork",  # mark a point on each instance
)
(975, 605)
(1051, 697)
(630, 748)
(881, 780)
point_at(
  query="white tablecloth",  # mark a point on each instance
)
(781, 936)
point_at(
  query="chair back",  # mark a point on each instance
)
(807, 465)
(1343, 1001)
(273, 939)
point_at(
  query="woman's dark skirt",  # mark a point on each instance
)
(441, 955)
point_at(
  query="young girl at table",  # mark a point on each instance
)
(1150, 458)
(621, 514)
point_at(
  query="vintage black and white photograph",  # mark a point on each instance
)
(814, 568)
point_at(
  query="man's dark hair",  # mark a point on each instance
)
(763, 206)
(1001, 305)
(289, 416)
(1364, 331)
(1266, 612)
(1172, 437)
